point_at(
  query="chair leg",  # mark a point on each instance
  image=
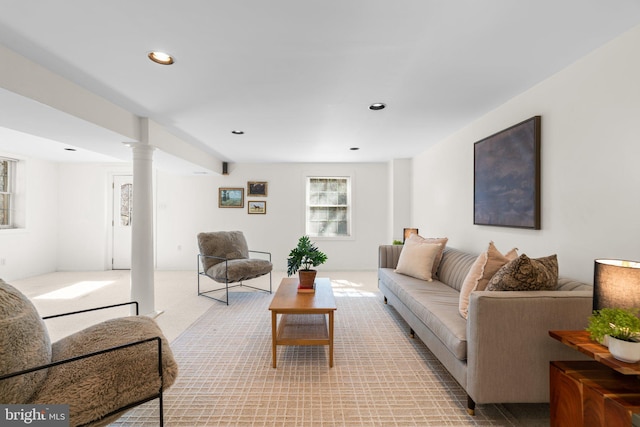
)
(198, 272)
(161, 408)
(226, 286)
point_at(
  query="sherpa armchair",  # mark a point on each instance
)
(224, 258)
(100, 372)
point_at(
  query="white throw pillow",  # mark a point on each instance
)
(417, 258)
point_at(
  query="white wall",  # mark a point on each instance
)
(32, 250)
(590, 175)
(188, 205)
(69, 216)
(85, 215)
(400, 181)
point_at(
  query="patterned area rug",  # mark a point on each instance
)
(381, 377)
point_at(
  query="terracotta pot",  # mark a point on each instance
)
(307, 278)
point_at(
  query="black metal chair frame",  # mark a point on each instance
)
(226, 286)
(107, 350)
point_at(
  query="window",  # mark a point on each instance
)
(126, 204)
(7, 174)
(328, 207)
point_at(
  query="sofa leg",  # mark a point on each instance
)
(385, 299)
(471, 406)
(412, 334)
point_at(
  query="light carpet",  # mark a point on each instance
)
(380, 377)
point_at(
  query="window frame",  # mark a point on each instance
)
(11, 192)
(349, 206)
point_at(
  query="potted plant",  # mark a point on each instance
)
(599, 326)
(622, 326)
(302, 258)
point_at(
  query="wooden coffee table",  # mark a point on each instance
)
(303, 319)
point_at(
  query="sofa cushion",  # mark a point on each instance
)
(526, 274)
(482, 270)
(567, 284)
(417, 258)
(454, 267)
(435, 304)
(237, 270)
(24, 343)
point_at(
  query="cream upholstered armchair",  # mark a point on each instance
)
(224, 258)
(100, 372)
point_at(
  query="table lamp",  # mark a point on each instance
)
(616, 284)
(408, 232)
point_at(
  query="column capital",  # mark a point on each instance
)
(141, 150)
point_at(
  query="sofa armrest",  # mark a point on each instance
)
(508, 342)
(388, 256)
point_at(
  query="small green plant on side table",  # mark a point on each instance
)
(623, 328)
(620, 323)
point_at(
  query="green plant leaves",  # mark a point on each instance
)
(304, 256)
(620, 323)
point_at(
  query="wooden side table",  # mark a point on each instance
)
(602, 392)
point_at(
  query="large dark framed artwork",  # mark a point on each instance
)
(507, 177)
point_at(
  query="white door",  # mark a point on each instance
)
(122, 208)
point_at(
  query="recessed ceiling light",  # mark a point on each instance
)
(377, 106)
(70, 149)
(354, 148)
(237, 132)
(161, 58)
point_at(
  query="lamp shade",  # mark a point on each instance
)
(408, 232)
(616, 284)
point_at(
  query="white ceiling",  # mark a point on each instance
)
(297, 76)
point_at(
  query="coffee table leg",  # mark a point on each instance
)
(331, 339)
(274, 321)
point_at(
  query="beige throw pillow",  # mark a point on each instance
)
(442, 240)
(481, 271)
(526, 274)
(417, 258)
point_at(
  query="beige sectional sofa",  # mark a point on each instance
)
(501, 353)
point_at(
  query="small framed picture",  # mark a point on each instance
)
(257, 188)
(231, 197)
(257, 207)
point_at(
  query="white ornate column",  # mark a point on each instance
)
(142, 265)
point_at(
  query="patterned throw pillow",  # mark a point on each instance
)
(526, 274)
